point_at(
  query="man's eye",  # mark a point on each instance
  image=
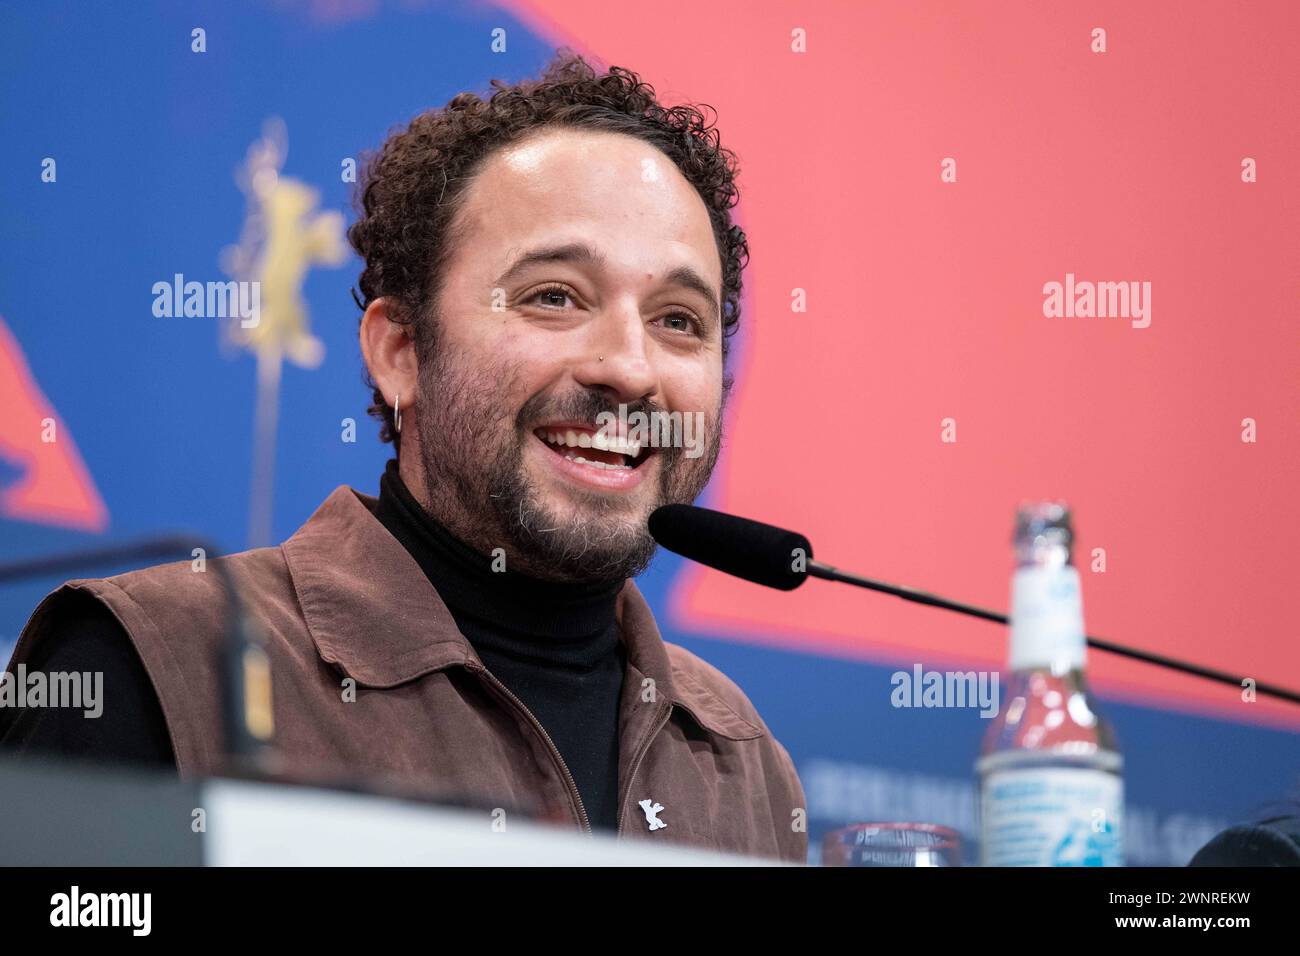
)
(554, 298)
(681, 322)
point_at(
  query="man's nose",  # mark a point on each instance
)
(619, 357)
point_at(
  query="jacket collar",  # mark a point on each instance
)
(373, 614)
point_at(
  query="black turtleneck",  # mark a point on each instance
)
(555, 646)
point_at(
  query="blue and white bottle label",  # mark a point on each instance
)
(1052, 816)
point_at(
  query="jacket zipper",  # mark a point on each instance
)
(555, 751)
(636, 764)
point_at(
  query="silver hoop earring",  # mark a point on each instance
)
(397, 411)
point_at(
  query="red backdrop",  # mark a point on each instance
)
(925, 302)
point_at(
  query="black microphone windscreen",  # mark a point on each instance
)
(738, 546)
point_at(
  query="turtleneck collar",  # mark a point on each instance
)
(524, 617)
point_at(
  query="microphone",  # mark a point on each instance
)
(783, 559)
(747, 549)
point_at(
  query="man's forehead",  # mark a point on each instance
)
(617, 190)
(598, 160)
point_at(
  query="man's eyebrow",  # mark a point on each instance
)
(687, 277)
(571, 252)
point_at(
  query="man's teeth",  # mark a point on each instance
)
(572, 439)
(599, 464)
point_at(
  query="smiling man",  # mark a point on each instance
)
(542, 268)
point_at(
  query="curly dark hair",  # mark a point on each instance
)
(409, 191)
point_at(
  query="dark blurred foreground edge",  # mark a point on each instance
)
(70, 833)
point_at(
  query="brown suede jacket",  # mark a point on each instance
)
(373, 681)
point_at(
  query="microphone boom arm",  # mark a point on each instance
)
(826, 572)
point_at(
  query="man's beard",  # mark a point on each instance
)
(477, 485)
